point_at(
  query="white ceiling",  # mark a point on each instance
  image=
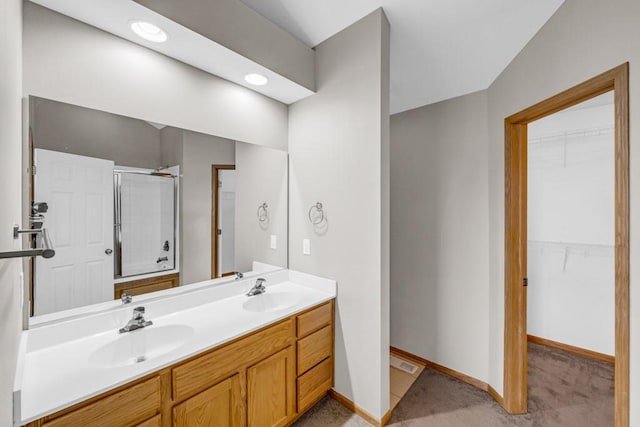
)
(114, 16)
(440, 49)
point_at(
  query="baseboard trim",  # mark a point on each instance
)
(409, 356)
(572, 349)
(496, 396)
(348, 403)
(450, 372)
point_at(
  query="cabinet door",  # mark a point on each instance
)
(271, 390)
(220, 406)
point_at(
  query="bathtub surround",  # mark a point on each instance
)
(338, 148)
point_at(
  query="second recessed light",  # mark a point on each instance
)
(256, 79)
(149, 31)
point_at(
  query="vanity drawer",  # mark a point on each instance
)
(152, 422)
(314, 348)
(314, 319)
(206, 370)
(127, 407)
(314, 384)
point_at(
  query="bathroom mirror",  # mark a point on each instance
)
(137, 207)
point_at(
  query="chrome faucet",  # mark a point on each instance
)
(137, 321)
(258, 288)
(239, 275)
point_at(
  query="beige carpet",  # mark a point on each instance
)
(564, 390)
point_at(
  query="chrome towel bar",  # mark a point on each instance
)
(45, 251)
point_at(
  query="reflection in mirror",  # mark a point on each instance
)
(136, 207)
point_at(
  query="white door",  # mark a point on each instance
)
(227, 220)
(79, 191)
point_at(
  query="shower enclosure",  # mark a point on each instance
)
(145, 221)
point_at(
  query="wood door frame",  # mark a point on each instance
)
(515, 335)
(214, 215)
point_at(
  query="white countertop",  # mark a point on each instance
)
(55, 368)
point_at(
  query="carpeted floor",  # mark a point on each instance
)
(564, 390)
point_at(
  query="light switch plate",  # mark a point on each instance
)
(274, 241)
(306, 247)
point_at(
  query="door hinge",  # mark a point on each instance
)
(525, 282)
(219, 184)
(219, 232)
(33, 170)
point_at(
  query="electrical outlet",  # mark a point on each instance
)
(306, 247)
(274, 241)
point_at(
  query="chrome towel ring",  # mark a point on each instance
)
(263, 213)
(316, 214)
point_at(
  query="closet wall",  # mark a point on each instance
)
(571, 226)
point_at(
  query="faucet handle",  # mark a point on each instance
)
(139, 310)
(126, 298)
(138, 313)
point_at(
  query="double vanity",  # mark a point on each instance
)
(209, 355)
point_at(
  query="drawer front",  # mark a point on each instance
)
(152, 422)
(314, 348)
(314, 319)
(127, 407)
(198, 374)
(314, 384)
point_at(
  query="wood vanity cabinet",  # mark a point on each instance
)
(267, 378)
(219, 405)
(144, 286)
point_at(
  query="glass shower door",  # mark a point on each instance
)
(146, 205)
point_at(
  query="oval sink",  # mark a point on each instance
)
(270, 301)
(141, 345)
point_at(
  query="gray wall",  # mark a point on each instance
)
(583, 39)
(261, 177)
(171, 146)
(10, 163)
(68, 61)
(440, 235)
(70, 129)
(261, 40)
(338, 145)
(199, 152)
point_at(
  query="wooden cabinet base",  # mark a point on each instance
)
(144, 286)
(220, 405)
(252, 380)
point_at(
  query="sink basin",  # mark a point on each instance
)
(141, 345)
(270, 301)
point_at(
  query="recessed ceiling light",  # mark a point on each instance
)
(149, 31)
(256, 79)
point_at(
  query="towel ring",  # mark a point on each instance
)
(316, 214)
(263, 214)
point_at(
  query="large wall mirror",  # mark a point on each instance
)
(137, 207)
